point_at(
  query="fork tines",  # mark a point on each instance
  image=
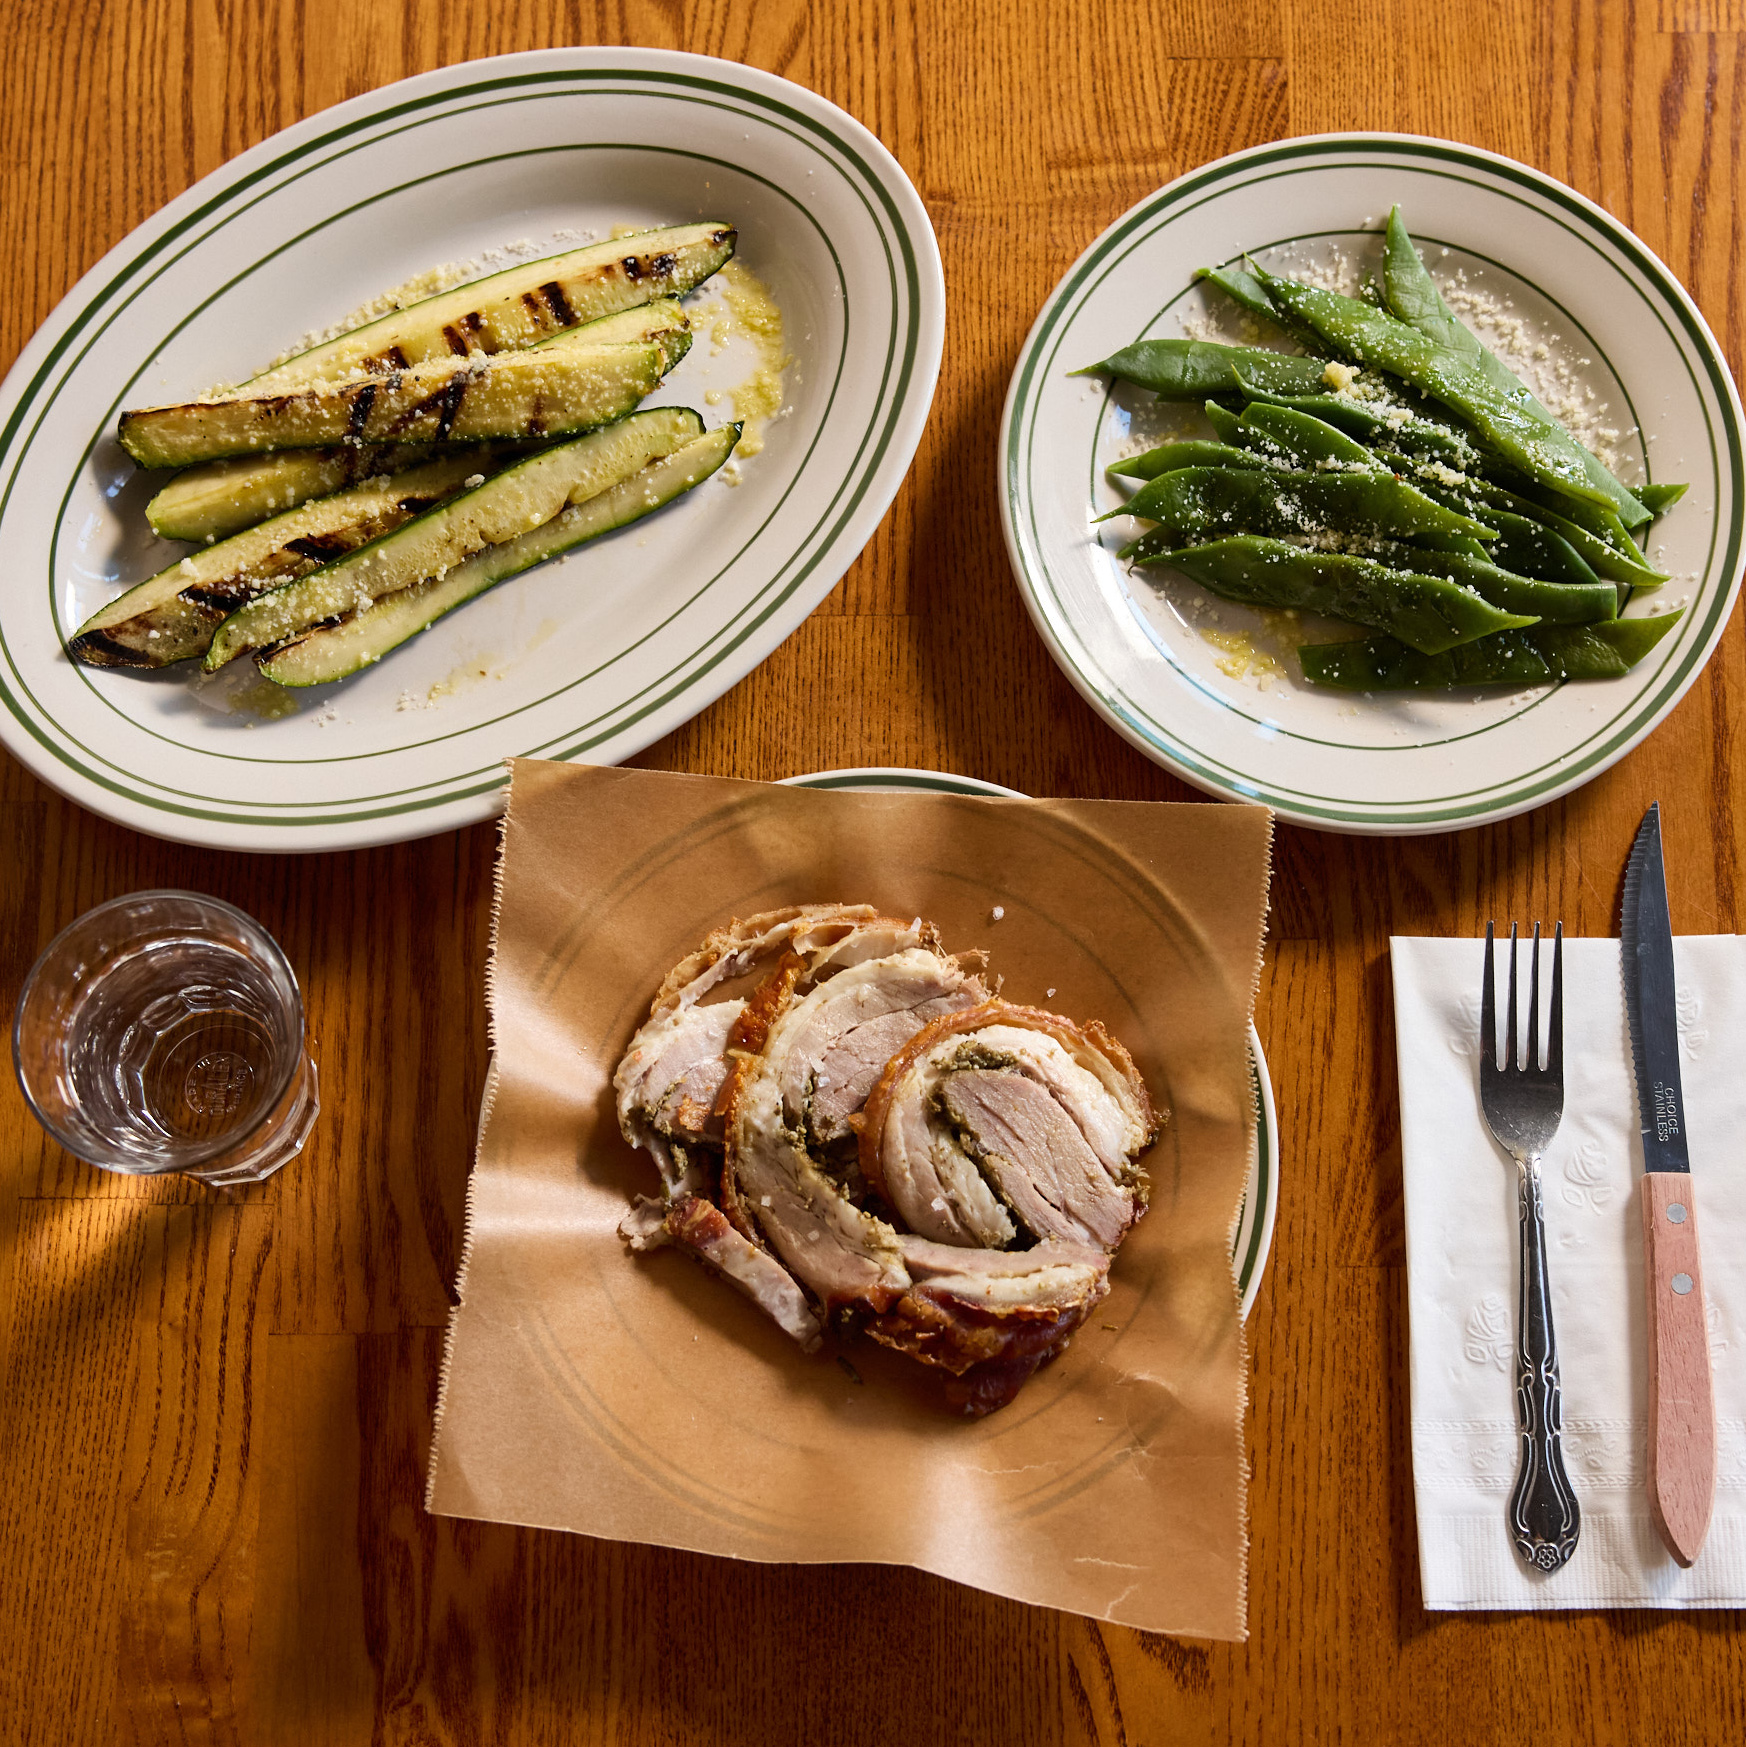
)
(1552, 1062)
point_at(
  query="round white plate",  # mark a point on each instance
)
(590, 657)
(1253, 1241)
(1401, 763)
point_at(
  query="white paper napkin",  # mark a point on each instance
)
(1462, 1274)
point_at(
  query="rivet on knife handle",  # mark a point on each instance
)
(1682, 1412)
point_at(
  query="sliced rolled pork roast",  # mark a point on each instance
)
(868, 1137)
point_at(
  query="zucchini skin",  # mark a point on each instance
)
(556, 390)
(520, 305)
(334, 652)
(513, 502)
(214, 499)
(171, 616)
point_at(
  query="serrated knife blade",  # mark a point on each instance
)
(1682, 1415)
(1651, 1001)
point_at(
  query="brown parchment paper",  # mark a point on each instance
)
(638, 1398)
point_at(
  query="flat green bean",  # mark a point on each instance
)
(1167, 457)
(1537, 655)
(1302, 440)
(1193, 369)
(1512, 424)
(1411, 294)
(1366, 419)
(1661, 498)
(1527, 547)
(1221, 500)
(1226, 424)
(1427, 613)
(1601, 555)
(1242, 287)
(1554, 603)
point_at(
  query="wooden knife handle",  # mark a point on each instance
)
(1682, 1409)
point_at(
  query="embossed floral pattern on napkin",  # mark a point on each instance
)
(1462, 1279)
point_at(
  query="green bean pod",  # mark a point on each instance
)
(1193, 369)
(1514, 424)
(1167, 457)
(1379, 421)
(1411, 294)
(1537, 655)
(1220, 500)
(1553, 603)
(1628, 566)
(1661, 498)
(1242, 287)
(1427, 613)
(1527, 547)
(1303, 441)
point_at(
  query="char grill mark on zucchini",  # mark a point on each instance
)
(333, 651)
(520, 305)
(171, 616)
(215, 499)
(574, 386)
(518, 500)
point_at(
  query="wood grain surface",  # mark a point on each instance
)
(214, 1412)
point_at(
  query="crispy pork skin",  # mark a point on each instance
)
(991, 1317)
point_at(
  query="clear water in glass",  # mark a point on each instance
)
(164, 1032)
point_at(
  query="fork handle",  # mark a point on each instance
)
(1682, 1408)
(1544, 1519)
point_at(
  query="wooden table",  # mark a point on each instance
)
(215, 1412)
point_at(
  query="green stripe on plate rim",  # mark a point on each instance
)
(937, 782)
(1595, 228)
(449, 103)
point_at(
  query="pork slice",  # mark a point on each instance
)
(926, 1175)
(1059, 1146)
(828, 936)
(1037, 1156)
(702, 1230)
(841, 1254)
(991, 1317)
(845, 1031)
(668, 1082)
(1052, 1275)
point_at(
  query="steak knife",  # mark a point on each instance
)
(1682, 1413)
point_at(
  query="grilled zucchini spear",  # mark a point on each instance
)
(220, 498)
(515, 502)
(518, 306)
(332, 652)
(171, 616)
(571, 385)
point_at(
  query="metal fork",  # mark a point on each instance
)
(1523, 1106)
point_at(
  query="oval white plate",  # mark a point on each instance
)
(1253, 1241)
(1338, 762)
(593, 656)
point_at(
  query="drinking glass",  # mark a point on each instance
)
(163, 1032)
